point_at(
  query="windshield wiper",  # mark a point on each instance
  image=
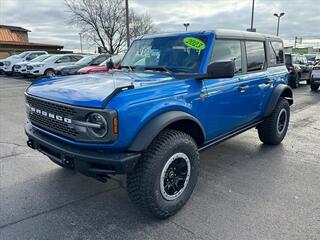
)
(158, 68)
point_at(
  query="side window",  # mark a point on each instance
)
(32, 56)
(63, 59)
(225, 50)
(256, 56)
(276, 53)
(75, 58)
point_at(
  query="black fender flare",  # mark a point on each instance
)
(148, 132)
(278, 91)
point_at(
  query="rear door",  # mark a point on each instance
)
(255, 84)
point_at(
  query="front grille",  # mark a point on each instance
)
(17, 66)
(52, 124)
(29, 67)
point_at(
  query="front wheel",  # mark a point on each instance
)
(49, 73)
(314, 87)
(274, 128)
(165, 177)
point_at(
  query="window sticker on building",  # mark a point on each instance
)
(194, 43)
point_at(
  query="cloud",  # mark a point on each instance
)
(48, 19)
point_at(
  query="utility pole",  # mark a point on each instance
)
(127, 23)
(186, 25)
(80, 34)
(252, 15)
(278, 16)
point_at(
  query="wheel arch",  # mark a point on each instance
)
(176, 120)
(280, 90)
(50, 68)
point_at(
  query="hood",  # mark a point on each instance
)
(23, 63)
(34, 63)
(91, 90)
(91, 68)
(13, 57)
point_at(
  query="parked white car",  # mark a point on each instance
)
(47, 67)
(315, 78)
(21, 67)
(7, 64)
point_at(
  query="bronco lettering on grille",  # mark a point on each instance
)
(50, 115)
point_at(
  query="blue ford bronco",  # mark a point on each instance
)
(174, 96)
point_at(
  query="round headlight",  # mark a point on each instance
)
(101, 128)
(7, 63)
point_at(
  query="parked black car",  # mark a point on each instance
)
(92, 60)
(299, 69)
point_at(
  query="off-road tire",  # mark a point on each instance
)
(314, 87)
(143, 184)
(268, 129)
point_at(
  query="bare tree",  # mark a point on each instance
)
(103, 22)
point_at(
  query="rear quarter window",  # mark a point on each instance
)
(256, 56)
(276, 53)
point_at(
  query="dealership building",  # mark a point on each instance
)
(14, 40)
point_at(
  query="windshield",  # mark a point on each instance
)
(53, 57)
(116, 59)
(177, 54)
(311, 57)
(40, 58)
(22, 55)
(86, 60)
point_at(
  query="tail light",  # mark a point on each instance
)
(290, 69)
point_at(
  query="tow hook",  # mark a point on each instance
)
(30, 144)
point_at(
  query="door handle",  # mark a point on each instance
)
(244, 88)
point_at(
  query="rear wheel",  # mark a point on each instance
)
(165, 177)
(274, 128)
(295, 81)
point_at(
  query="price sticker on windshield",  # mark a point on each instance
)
(194, 43)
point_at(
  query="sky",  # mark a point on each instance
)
(48, 19)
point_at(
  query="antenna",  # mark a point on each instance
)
(0, 12)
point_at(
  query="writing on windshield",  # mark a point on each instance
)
(177, 54)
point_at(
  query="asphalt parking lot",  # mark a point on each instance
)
(245, 191)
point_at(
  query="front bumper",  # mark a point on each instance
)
(96, 163)
(315, 81)
(35, 72)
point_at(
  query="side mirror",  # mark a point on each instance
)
(110, 65)
(28, 58)
(224, 69)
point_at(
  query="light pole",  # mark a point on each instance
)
(127, 23)
(80, 34)
(252, 15)
(186, 25)
(278, 16)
